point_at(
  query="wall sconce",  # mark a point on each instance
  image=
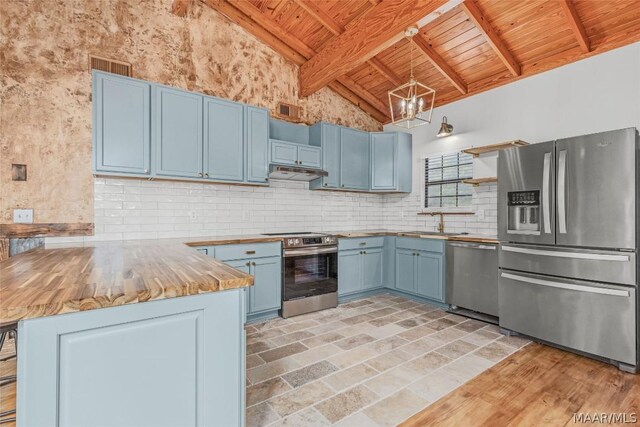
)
(445, 128)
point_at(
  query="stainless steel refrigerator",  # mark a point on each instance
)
(568, 227)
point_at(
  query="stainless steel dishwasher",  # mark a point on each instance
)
(472, 278)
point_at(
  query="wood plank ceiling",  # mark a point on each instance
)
(464, 48)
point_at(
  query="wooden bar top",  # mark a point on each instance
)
(44, 282)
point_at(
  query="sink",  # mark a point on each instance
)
(430, 233)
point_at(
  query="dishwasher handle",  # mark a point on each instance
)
(474, 246)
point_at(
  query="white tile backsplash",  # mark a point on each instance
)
(129, 209)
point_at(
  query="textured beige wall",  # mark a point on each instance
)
(45, 88)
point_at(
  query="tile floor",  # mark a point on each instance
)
(370, 362)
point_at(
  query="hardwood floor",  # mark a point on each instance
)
(537, 385)
(7, 392)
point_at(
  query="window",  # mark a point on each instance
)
(443, 186)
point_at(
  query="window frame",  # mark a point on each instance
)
(423, 196)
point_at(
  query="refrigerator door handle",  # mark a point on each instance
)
(561, 254)
(562, 183)
(546, 174)
(567, 286)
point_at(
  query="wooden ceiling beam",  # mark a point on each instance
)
(312, 8)
(370, 34)
(272, 26)
(383, 69)
(349, 95)
(365, 94)
(253, 20)
(481, 22)
(336, 29)
(570, 12)
(257, 30)
(180, 7)
(440, 64)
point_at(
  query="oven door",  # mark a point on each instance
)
(309, 272)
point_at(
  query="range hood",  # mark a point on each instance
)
(295, 173)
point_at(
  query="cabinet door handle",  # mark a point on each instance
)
(250, 252)
(207, 175)
(253, 263)
(363, 243)
(325, 184)
(248, 264)
(365, 252)
(342, 185)
(199, 173)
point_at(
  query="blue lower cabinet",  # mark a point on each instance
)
(243, 266)
(264, 262)
(429, 275)
(418, 271)
(359, 269)
(405, 270)
(196, 380)
(372, 268)
(266, 292)
(349, 272)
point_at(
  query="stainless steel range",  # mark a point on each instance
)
(310, 273)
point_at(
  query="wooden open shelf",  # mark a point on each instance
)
(477, 181)
(476, 151)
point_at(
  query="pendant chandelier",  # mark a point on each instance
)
(411, 104)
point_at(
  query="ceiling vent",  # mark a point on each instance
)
(109, 65)
(290, 112)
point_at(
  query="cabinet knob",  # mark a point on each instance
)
(199, 173)
(253, 263)
(248, 264)
(207, 175)
(342, 185)
(365, 252)
(325, 184)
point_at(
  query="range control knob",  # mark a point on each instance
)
(290, 242)
(297, 241)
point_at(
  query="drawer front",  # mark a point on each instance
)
(247, 251)
(429, 245)
(594, 318)
(361, 243)
(586, 264)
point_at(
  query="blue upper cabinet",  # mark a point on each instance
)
(327, 137)
(354, 159)
(288, 153)
(121, 124)
(177, 127)
(224, 140)
(257, 124)
(284, 153)
(391, 162)
(309, 156)
(384, 160)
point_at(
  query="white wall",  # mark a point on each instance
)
(593, 95)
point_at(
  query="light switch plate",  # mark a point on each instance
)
(23, 216)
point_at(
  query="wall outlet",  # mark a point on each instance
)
(246, 215)
(23, 216)
(480, 214)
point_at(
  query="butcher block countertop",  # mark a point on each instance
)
(72, 277)
(44, 282)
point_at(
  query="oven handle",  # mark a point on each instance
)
(309, 251)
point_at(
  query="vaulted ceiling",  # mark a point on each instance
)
(357, 48)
